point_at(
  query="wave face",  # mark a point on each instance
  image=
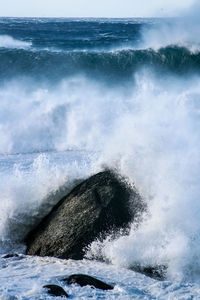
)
(78, 95)
(115, 66)
(50, 50)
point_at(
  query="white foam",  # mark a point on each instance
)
(149, 132)
(7, 41)
(156, 141)
(30, 185)
(27, 276)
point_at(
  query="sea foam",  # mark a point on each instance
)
(7, 41)
(148, 132)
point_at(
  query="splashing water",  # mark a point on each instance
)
(67, 114)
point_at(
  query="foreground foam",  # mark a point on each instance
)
(28, 275)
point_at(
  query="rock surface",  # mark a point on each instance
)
(84, 280)
(55, 290)
(157, 272)
(10, 255)
(93, 208)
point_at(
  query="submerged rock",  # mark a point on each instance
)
(155, 272)
(10, 255)
(55, 290)
(93, 208)
(84, 280)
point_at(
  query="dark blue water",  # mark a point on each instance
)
(74, 34)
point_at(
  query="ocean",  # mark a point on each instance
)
(81, 95)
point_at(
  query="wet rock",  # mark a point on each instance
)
(84, 280)
(10, 255)
(156, 272)
(55, 290)
(92, 209)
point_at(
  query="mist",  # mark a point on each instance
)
(182, 31)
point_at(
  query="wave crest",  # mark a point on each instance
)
(7, 41)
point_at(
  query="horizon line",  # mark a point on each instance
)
(56, 17)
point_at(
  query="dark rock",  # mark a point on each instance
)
(55, 290)
(92, 209)
(156, 272)
(10, 255)
(84, 280)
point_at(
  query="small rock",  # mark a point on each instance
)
(84, 280)
(55, 290)
(10, 255)
(155, 272)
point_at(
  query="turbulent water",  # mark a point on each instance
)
(79, 95)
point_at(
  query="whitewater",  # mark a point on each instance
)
(81, 95)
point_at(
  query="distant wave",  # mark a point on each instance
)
(7, 41)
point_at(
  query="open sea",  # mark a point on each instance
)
(81, 95)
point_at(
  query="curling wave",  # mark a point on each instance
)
(120, 65)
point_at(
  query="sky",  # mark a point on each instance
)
(92, 8)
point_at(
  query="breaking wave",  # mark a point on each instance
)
(150, 133)
(9, 42)
(113, 65)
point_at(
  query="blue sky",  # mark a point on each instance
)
(92, 8)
